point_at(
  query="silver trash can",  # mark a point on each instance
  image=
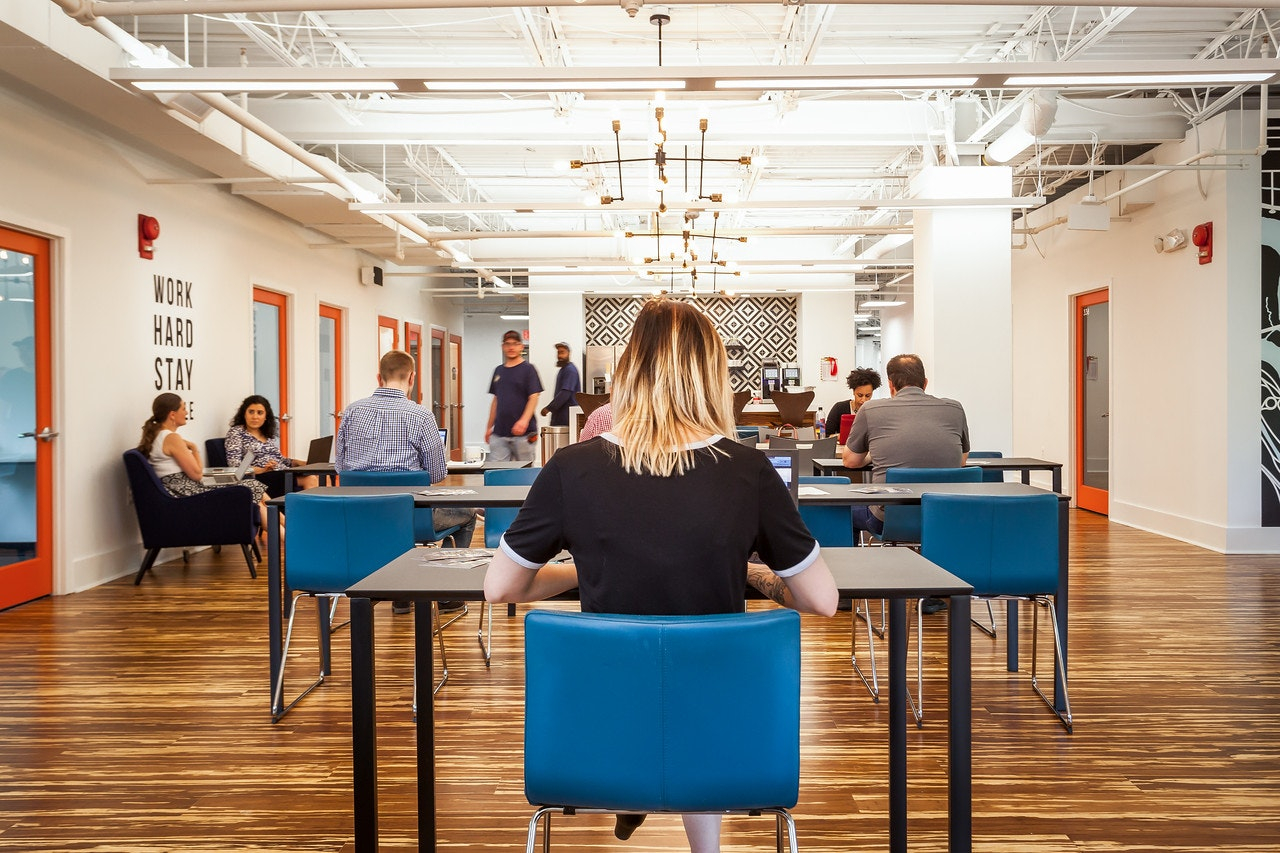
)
(553, 438)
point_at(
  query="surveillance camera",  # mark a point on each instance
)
(631, 6)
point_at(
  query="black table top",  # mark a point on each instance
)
(858, 572)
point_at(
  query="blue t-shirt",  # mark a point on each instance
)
(513, 386)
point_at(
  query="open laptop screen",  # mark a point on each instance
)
(321, 450)
(786, 463)
(444, 438)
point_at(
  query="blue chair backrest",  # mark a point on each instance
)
(832, 526)
(215, 453)
(498, 518)
(1002, 545)
(989, 476)
(337, 540)
(902, 523)
(424, 529)
(662, 713)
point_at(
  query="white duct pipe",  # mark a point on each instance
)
(87, 10)
(327, 169)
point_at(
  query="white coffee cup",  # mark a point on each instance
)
(475, 453)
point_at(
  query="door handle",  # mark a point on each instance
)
(46, 434)
(285, 416)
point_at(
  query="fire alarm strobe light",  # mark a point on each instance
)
(1202, 239)
(148, 231)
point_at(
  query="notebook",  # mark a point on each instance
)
(846, 423)
(223, 476)
(786, 463)
(320, 450)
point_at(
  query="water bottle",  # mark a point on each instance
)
(820, 424)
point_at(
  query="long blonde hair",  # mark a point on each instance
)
(672, 382)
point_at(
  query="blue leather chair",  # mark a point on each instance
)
(424, 530)
(989, 476)
(217, 517)
(902, 523)
(335, 541)
(673, 714)
(1006, 547)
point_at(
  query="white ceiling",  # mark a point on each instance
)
(473, 160)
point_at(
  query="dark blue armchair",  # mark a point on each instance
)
(218, 517)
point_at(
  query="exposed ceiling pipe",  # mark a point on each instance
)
(87, 10)
(327, 169)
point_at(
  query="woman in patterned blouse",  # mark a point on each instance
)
(254, 428)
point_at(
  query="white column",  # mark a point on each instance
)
(962, 319)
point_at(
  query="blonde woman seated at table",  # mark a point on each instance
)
(177, 461)
(255, 428)
(662, 513)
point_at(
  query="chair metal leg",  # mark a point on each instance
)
(277, 697)
(1063, 716)
(989, 630)
(484, 631)
(864, 613)
(917, 706)
(533, 829)
(873, 686)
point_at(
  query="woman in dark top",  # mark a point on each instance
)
(863, 382)
(662, 512)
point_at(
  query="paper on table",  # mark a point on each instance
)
(439, 492)
(882, 490)
(457, 558)
(812, 490)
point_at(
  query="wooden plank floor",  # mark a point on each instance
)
(135, 719)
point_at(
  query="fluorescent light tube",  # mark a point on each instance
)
(1140, 79)
(850, 83)
(265, 86)
(514, 316)
(882, 303)
(549, 85)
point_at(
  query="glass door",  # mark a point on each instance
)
(1093, 400)
(413, 346)
(271, 355)
(26, 425)
(455, 396)
(330, 363)
(438, 388)
(388, 335)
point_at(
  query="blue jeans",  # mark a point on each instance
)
(863, 519)
(511, 448)
(443, 519)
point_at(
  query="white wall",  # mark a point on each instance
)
(63, 181)
(1184, 348)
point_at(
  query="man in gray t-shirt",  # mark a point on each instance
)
(911, 429)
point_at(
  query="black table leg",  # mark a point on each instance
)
(364, 734)
(275, 606)
(424, 681)
(898, 725)
(959, 728)
(1011, 635)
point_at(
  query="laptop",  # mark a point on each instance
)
(444, 437)
(787, 464)
(320, 450)
(223, 476)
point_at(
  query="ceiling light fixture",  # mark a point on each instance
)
(211, 86)
(1034, 122)
(1188, 79)
(514, 316)
(849, 83)
(568, 85)
(882, 303)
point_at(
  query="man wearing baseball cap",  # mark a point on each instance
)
(567, 385)
(512, 429)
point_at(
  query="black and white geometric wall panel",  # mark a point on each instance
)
(754, 329)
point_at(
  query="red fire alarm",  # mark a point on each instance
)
(1202, 239)
(148, 231)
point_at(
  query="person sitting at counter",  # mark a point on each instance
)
(254, 429)
(863, 382)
